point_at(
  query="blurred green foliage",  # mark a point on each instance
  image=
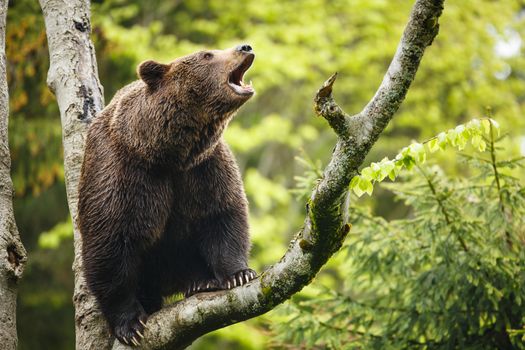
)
(476, 60)
(450, 276)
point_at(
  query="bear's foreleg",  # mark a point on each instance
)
(111, 273)
(119, 231)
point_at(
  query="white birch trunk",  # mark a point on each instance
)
(73, 77)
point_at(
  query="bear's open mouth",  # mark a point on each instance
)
(235, 78)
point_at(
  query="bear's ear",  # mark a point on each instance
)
(152, 72)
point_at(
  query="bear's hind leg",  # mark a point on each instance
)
(188, 272)
(224, 245)
(201, 284)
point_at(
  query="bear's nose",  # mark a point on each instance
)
(244, 48)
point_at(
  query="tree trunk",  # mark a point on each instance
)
(73, 78)
(12, 252)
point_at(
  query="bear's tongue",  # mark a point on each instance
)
(235, 79)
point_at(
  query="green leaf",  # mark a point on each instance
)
(452, 137)
(442, 140)
(417, 151)
(363, 185)
(376, 169)
(409, 162)
(355, 182)
(476, 140)
(358, 191)
(357, 187)
(392, 174)
(420, 154)
(482, 146)
(461, 141)
(474, 124)
(369, 187)
(422, 157)
(386, 167)
(367, 174)
(486, 125)
(433, 145)
(463, 131)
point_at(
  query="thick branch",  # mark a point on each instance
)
(326, 226)
(419, 33)
(73, 77)
(12, 252)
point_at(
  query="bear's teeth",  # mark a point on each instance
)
(243, 84)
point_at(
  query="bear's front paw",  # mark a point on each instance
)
(202, 286)
(238, 279)
(130, 327)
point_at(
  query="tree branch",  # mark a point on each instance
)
(325, 226)
(12, 252)
(73, 77)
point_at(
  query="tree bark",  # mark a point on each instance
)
(12, 252)
(73, 78)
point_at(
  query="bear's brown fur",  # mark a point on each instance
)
(161, 203)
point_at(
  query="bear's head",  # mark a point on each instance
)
(207, 82)
(178, 111)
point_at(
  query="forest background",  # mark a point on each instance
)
(475, 63)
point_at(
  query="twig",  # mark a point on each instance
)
(442, 207)
(494, 165)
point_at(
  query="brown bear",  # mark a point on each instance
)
(162, 208)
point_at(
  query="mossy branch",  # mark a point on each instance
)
(325, 226)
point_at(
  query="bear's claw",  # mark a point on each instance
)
(202, 286)
(131, 329)
(134, 341)
(238, 279)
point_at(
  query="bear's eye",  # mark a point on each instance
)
(208, 55)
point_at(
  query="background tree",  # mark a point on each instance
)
(12, 252)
